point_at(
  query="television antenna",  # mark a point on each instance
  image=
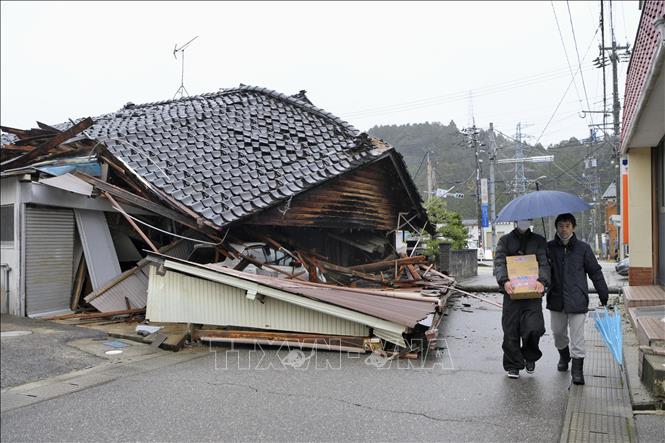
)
(182, 90)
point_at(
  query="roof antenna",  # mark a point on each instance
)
(182, 90)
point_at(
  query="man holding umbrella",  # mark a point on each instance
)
(522, 320)
(571, 261)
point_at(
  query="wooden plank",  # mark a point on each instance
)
(348, 271)
(96, 314)
(175, 342)
(78, 284)
(61, 137)
(371, 267)
(158, 340)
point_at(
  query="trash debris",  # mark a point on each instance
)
(146, 330)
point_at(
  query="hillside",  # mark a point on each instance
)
(453, 163)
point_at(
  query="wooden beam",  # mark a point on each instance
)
(78, 284)
(348, 271)
(96, 314)
(53, 142)
(377, 266)
(131, 222)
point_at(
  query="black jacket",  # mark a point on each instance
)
(515, 243)
(570, 265)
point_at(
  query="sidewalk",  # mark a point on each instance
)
(600, 410)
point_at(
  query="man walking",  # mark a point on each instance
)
(571, 261)
(521, 320)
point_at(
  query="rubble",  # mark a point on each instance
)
(182, 187)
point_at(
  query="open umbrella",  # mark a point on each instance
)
(541, 204)
(609, 326)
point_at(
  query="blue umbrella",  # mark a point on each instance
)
(541, 204)
(609, 326)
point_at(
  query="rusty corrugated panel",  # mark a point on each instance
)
(403, 312)
(399, 311)
(368, 198)
(180, 298)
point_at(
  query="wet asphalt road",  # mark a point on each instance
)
(42, 354)
(460, 395)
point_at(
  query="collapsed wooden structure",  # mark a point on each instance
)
(247, 178)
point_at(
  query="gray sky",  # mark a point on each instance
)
(368, 63)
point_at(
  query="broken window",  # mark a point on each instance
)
(7, 225)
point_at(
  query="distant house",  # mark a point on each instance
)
(642, 143)
(243, 164)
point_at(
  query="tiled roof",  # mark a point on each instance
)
(610, 192)
(229, 154)
(646, 43)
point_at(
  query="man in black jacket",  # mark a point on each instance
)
(571, 261)
(521, 320)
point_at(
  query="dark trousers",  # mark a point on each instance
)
(523, 325)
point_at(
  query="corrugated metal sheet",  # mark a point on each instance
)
(133, 284)
(176, 297)
(134, 287)
(243, 281)
(49, 255)
(403, 312)
(98, 248)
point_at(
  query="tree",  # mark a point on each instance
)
(448, 224)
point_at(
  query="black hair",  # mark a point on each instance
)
(565, 217)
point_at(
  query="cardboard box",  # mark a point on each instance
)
(523, 273)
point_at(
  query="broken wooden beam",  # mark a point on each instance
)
(377, 266)
(97, 314)
(43, 149)
(348, 271)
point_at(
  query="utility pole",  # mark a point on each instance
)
(601, 62)
(472, 142)
(429, 177)
(492, 158)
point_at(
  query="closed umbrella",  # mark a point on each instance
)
(541, 204)
(608, 325)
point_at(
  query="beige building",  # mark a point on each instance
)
(643, 163)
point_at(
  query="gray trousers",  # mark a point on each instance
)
(561, 323)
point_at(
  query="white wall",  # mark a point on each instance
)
(11, 255)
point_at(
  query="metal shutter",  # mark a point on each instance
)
(49, 253)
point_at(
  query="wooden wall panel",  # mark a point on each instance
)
(368, 198)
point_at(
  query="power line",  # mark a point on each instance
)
(456, 96)
(565, 51)
(579, 63)
(566, 91)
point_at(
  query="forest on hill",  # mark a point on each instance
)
(582, 167)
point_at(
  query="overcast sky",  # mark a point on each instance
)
(368, 63)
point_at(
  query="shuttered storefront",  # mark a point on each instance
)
(49, 252)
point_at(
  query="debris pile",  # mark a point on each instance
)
(244, 216)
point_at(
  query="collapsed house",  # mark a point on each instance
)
(113, 212)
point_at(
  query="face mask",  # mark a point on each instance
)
(523, 225)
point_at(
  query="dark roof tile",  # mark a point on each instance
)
(223, 142)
